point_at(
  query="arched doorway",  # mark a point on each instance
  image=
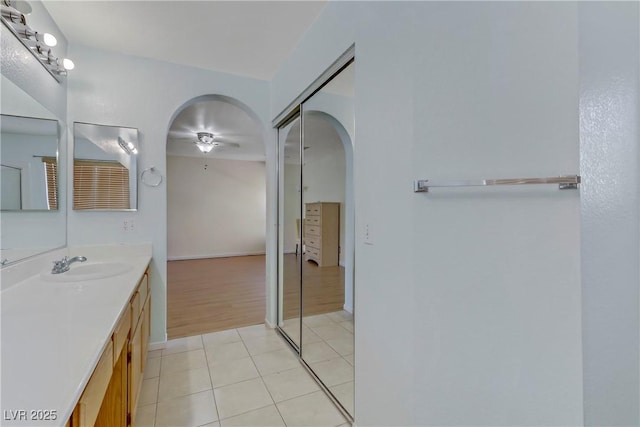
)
(216, 217)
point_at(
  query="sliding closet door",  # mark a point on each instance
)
(327, 343)
(289, 238)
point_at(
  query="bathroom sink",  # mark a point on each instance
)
(88, 271)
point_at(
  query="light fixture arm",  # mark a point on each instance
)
(34, 41)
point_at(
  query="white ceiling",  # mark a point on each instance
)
(229, 124)
(247, 38)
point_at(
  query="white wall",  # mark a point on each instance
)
(477, 293)
(129, 91)
(25, 152)
(217, 211)
(324, 177)
(291, 206)
(609, 157)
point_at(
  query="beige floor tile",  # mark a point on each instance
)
(345, 425)
(145, 416)
(264, 417)
(275, 361)
(318, 351)
(154, 354)
(317, 320)
(343, 346)
(216, 424)
(222, 337)
(242, 397)
(232, 371)
(148, 392)
(257, 345)
(183, 383)
(344, 394)
(289, 384)
(328, 332)
(349, 358)
(255, 331)
(186, 411)
(293, 331)
(194, 359)
(340, 316)
(182, 344)
(333, 372)
(310, 410)
(308, 336)
(347, 325)
(152, 369)
(225, 352)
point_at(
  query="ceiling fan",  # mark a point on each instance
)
(207, 141)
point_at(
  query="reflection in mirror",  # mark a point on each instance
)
(33, 209)
(104, 167)
(290, 232)
(29, 158)
(327, 342)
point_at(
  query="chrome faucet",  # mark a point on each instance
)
(65, 263)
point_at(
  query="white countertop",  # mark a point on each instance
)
(53, 335)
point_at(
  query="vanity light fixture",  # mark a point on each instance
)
(205, 142)
(127, 146)
(37, 43)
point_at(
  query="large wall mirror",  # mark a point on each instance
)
(105, 162)
(31, 197)
(29, 163)
(317, 235)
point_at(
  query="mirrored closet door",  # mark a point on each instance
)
(290, 238)
(321, 182)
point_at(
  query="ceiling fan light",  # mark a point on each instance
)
(204, 147)
(205, 137)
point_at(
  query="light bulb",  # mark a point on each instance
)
(68, 64)
(205, 148)
(50, 40)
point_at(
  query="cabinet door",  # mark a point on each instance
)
(135, 368)
(113, 412)
(145, 320)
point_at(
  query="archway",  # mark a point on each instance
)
(216, 217)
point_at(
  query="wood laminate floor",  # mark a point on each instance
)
(215, 294)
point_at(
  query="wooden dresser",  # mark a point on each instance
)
(322, 233)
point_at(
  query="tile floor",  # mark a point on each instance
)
(239, 377)
(327, 346)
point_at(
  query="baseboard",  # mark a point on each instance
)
(160, 345)
(220, 255)
(347, 308)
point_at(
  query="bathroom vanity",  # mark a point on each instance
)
(74, 349)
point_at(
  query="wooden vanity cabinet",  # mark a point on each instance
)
(111, 395)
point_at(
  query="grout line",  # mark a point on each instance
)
(215, 403)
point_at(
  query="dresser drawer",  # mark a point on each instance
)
(312, 230)
(312, 220)
(313, 254)
(313, 241)
(313, 208)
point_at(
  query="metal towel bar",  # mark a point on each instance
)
(569, 182)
